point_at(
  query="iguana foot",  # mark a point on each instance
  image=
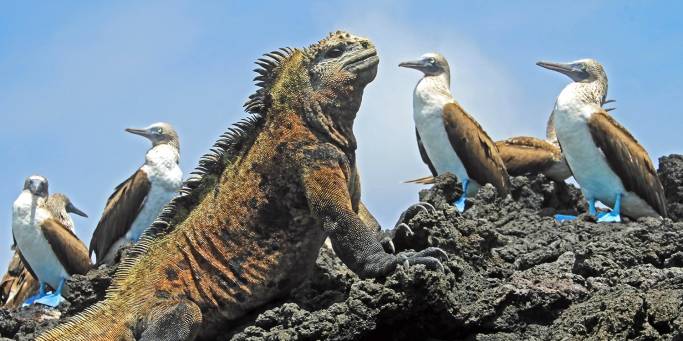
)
(414, 210)
(178, 322)
(404, 230)
(430, 257)
(388, 245)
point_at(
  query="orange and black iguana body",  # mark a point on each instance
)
(249, 226)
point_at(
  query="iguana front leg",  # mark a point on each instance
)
(172, 321)
(326, 188)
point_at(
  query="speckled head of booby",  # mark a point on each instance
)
(37, 185)
(583, 70)
(158, 133)
(61, 200)
(431, 64)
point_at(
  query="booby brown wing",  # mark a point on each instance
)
(475, 149)
(70, 250)
(527, 155)
(17, 284)
(121, 210)
(423, 154)
(628, 159)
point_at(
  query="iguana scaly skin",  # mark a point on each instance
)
(249, 226)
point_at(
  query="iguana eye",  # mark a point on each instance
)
(334, 52)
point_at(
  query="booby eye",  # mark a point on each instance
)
(159, 131)
(431, 60)
(334, 52)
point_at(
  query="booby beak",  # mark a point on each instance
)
(413, 64)
(70, 208)
(142, 132)
(570, 70)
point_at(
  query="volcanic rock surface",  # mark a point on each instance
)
(513, 273)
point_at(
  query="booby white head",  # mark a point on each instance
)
(605, 159)
(36, 186)
(589, 86)
(158, 133)
(136, 202)
(431, 65)
(441, 126)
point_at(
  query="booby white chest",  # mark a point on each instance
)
(27, 216)
(587, 162)
(429, 98)
(165, 177)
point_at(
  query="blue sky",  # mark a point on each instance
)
(74, 74)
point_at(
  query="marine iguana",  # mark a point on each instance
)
(248, 226)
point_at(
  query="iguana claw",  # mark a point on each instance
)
(404, 229)
(430, 257)
(414, 210)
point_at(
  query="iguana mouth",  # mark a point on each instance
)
(362, 62)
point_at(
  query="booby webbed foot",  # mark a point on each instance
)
(609, 217)
(613, 216)
(460, 203)
(53, 299)
(430, 257)
(32, 299)
(564, 217)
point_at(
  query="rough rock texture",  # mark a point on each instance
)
(80, 292)
(513, 274)
(671, 173)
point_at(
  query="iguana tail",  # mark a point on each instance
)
(97, 323)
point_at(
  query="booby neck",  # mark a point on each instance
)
(581, 98)
(29, 208)
(432, 91)
(165, 154)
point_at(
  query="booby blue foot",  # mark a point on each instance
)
(613, 216)
(591, 207)
(609, 217)
(460, 203)
(564, 217)
(32, 299)
(53, 299)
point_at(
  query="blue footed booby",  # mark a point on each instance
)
(18, 283)
(449, 139)
(607, 161)
(526, 155)
(136, 202)
(49, 250)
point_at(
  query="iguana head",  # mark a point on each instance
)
(340, 66)
(323, 82)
